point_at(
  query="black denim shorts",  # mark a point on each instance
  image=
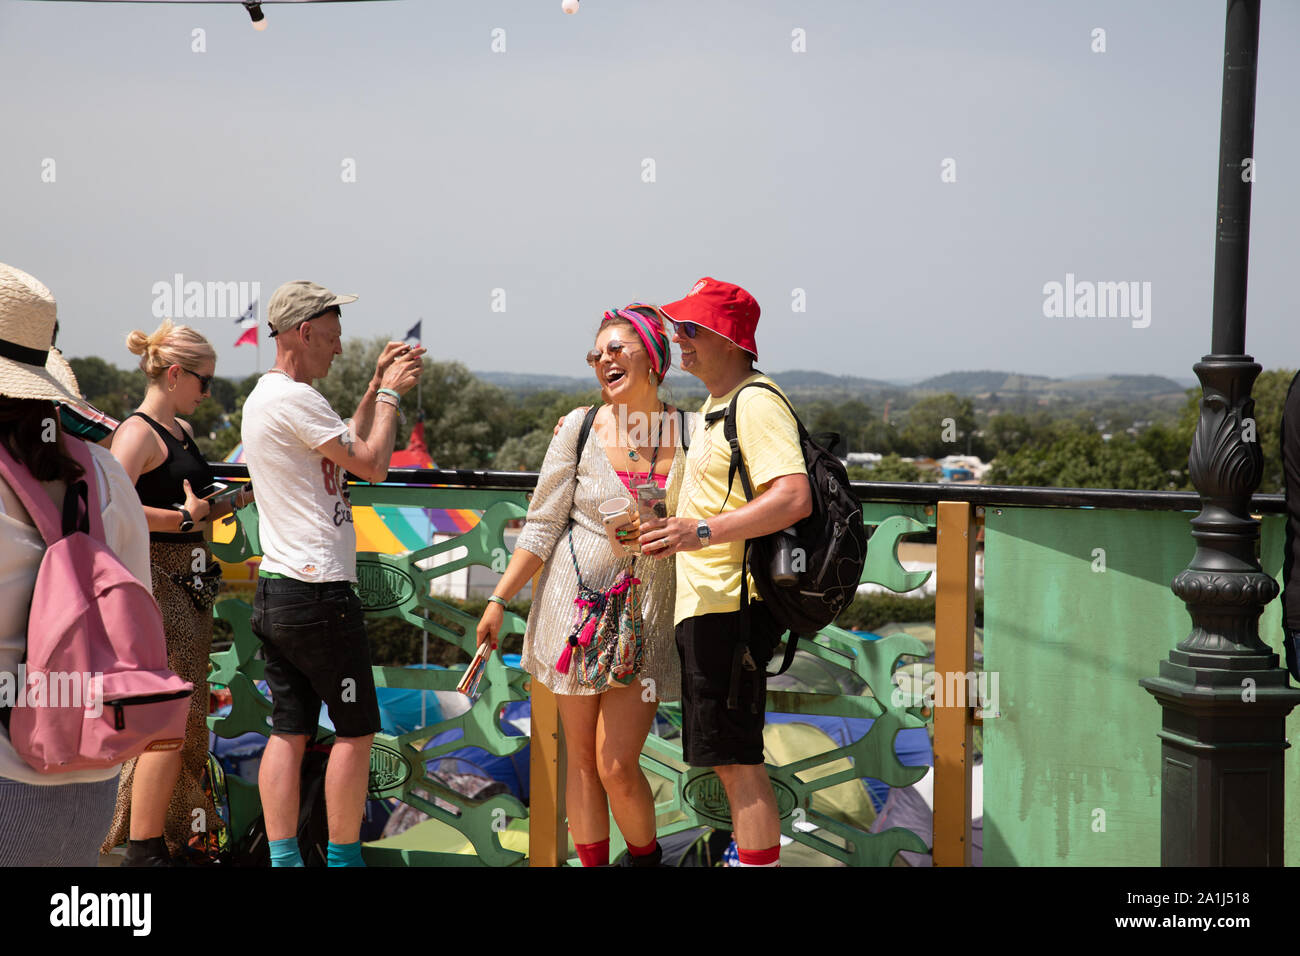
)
(715, 734)
(314, 640)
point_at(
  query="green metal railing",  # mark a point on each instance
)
(397, 585)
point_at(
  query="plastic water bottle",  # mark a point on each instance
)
(783, 573)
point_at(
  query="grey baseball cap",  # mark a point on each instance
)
(300, 300)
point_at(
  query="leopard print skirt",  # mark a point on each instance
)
(187, 621)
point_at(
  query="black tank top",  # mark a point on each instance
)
(161, 487)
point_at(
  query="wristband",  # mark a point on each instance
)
(494, 599)
(391, 403)
(388, 391)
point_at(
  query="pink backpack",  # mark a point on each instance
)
(97, 689)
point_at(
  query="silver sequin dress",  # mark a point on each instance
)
(563, 496)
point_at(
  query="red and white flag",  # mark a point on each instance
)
(248, 322)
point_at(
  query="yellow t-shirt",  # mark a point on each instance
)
(708, 580)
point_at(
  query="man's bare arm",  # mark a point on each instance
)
(367, 458)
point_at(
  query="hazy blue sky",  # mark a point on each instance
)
(522, 170)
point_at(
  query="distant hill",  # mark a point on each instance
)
(800, 379)
(977, 382)
(805, 385)
(1092, 386)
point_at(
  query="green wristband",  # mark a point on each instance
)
(389, 391)
(497, 600)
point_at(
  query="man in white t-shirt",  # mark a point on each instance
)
(306, 612)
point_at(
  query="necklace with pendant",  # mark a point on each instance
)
(632, 452)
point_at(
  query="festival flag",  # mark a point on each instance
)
(248, 322)
(413, 332)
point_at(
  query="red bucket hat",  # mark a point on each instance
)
(720, 307)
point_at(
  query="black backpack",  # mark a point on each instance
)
(250, 848)
(829, 546)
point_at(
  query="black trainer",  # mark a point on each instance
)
(150, 852)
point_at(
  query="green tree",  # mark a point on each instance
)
(1168, 448)
(108, 388)
(466, 419)
(1269, 393)
(1079, 458)
(851, 420)
(524, 452)
(892, 468)
(223, 442)
(1010, 431)
(940, 425)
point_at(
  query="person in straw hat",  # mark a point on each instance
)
(47, 820)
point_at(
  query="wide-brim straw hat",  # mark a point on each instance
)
(30, 367)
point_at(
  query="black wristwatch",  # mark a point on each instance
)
(703, 533)
(187, 523)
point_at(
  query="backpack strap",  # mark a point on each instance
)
(585, 431)
(730, 432)
(48, 518)
(681, 430)
(738, 466)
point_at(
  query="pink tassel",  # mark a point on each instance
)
(562, 665)
(588, 630)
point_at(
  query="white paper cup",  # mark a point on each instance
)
(617, 513)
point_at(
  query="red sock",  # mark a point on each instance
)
(643, 850)
(769, 857)
(593, 854)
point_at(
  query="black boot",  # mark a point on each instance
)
(653, 858)
(149, 852)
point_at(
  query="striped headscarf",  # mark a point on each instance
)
(651, 331)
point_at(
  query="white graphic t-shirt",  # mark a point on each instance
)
(303, 518)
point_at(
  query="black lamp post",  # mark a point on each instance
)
(1224, 698)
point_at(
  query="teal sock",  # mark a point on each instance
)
(349, 854)
(285, 852)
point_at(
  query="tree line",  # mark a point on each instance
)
(470, 423)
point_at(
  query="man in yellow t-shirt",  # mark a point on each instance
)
(715, 327)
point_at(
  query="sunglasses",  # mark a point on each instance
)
(687, 329)
(205, 381)
(615, 348)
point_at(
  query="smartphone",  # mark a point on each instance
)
(212, 490)
(650, 501)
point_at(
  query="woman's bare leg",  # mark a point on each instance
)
(584, 797)
(625, 720)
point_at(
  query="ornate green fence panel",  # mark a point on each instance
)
(395, 585)
(493, 828)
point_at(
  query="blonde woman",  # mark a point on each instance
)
(159, 791)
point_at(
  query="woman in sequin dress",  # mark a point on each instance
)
(635, 438)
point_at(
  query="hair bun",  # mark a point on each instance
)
(136, 342)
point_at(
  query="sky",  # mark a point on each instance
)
(897, 184)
